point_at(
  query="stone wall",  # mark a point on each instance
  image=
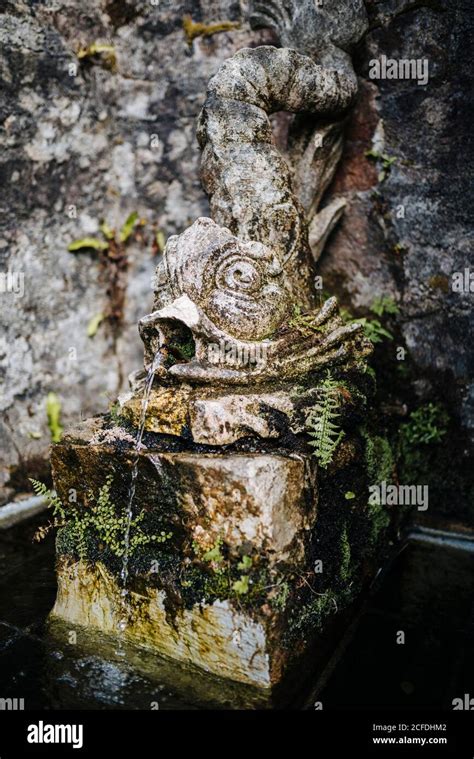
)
(95, 139)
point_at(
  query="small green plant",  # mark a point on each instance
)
(375, 331)
(384, 161)
(215, 555)
(379, 458)
(98, 522)
(349, 495)
(384, 304)
(426, 425)
(373, 328)
(95, 243)
(53, 413)
(111, 250)
(241, 586)
(245, 563)
(51, 498)
(228, 578)
(321, 423)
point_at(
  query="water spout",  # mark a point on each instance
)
(156, 363)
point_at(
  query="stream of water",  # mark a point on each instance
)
(156, 363)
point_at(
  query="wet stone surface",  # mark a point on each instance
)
(433, 667)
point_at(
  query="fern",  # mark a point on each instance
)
(50, 497)
(321, 425)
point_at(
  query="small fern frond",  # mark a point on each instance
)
(321, 423)
(51, 498)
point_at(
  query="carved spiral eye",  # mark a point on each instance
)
(239, 274)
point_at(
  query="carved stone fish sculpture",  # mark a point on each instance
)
(238, 278)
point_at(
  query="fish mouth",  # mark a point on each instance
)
(192, 348)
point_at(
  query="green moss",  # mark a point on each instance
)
(379, 458)
(379, 520)
(313, 614)
(304, 323)
(345, 566)
(280, 598)
(418, 438)
(115, 414)
(213, 575)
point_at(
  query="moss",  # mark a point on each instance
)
(345, 547)
(199, 584)
(115, 415)
(304, 323)
(312, 616)
(281, 595)
(379, 520)
(379, 458)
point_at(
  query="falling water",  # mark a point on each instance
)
(157, 361)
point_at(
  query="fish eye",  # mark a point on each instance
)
(239, 274)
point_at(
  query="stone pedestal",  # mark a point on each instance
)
(213, 592)
(244, 553)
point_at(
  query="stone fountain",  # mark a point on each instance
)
(219, 515)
